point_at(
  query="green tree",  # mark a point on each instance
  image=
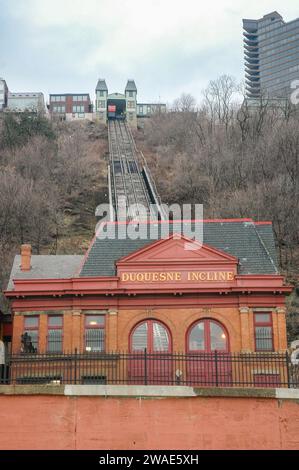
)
(18, 129)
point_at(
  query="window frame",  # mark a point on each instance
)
(261, 324)
(75, 109)
(60, 328)
(59, 109)
(150, 336)
(95, 327)
(207, 337)
(32, 328)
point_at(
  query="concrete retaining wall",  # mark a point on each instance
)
(102, 417)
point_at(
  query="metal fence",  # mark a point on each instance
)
(194, 369)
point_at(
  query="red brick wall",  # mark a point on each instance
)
(119, 324)
(68, 103)
(60, 422)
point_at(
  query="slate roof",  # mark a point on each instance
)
(130, 86)
(252, 244)
(46, 267)
(101, 85)
(265, 232)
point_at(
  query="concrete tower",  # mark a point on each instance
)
(101, 100)
(131, 103)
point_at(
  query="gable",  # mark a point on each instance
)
(173, 251)
(174, 262)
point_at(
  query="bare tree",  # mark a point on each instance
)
(218, 98)
(186, 103)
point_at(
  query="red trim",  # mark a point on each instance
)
(207, 338)
(177, 290)
(110, 286)
(264, 222)
(160, 299)
(267, 324)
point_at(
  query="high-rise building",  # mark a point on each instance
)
(271, 50)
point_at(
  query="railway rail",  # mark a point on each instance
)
(128, 182)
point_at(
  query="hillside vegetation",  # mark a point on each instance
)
(52, 177)
(237, 162)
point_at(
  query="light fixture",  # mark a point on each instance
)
(93, 322)
(223, 336)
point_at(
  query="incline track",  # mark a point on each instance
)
(126, 178)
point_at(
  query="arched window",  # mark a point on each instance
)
(208, 336)
(152, 336)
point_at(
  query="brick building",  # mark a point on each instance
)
(70, 106)
(128, 295)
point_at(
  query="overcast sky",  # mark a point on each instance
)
(167, 46)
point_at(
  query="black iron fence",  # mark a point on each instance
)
(194, 369)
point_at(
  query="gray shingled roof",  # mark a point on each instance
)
(46, 267)
(252, 244)
(130, 86)
(265, 232)
(101, 85)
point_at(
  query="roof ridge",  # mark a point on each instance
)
(181, 221)
(265, 248)
(85, 256)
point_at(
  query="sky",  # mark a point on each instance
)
(167, 46)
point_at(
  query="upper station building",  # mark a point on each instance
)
(123, 105)
(271, 50)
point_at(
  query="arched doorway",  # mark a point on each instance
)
(150, 353)
(209, 361)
